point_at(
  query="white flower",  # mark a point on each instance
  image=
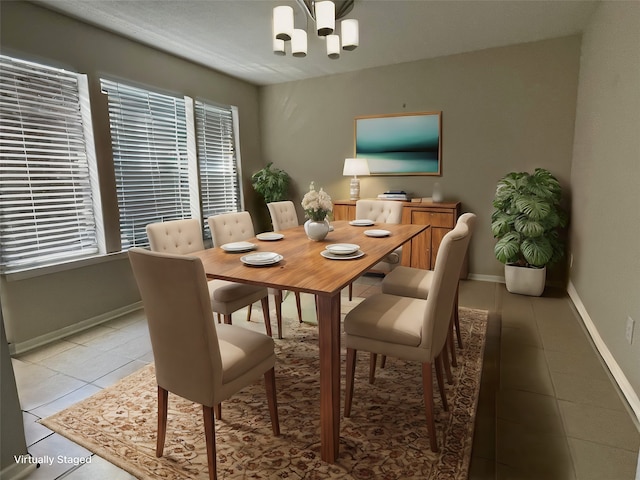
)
(316, 205)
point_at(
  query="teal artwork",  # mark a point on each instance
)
(402, 144)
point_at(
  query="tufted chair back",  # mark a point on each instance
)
(176, 236)
(283, 215)
(230, 227)
(383, 211)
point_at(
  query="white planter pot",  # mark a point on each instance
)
(525, 281)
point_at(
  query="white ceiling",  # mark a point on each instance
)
(234, 36)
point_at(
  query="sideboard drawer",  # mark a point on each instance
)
(435, 219)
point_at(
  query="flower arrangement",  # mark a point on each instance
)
(316, 205)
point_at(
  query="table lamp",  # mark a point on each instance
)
(355, 167)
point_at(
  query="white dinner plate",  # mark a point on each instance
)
(361, 223)
(269, 236)
(377, 233)
(343, 248)
(261, 258)
(333, 256)
(238, 246)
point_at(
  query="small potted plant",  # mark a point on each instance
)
(526, 221)
(272, 183)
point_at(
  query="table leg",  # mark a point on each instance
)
(329, 339)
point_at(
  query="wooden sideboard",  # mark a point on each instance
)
(422, 250)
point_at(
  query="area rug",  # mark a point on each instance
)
(385, 438)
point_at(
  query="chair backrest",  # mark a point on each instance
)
(283, 215)
(384, 211)
(230, 227)
(183, 335)
(446, 275)
(175, 236)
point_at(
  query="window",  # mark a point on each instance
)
(49, 201)
(219, 172)
(159, 174)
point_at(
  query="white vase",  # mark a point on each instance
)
(316, 231)
(525, 280)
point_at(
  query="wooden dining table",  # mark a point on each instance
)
(304, 269)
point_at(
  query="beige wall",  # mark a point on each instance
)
(504, 109)
(40, 305)
(605, 180)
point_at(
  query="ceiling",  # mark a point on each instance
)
(234, 36)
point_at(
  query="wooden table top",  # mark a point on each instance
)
(303, 269)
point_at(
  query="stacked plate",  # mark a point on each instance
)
(362, 223)
(238, 246)
(342, 251)
(269, 236)
(261, 259)
(377, 233)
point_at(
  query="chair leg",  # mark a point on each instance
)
(452, 344)
(270, 385)
(298, 306)
(278, 299)
(227, 319)
(383, 361)
(265, 314)
(351, 370)
(218, 411)
(456, 319)
(249, 312)
(163, 397)
(372, 367)
(445, 359)
(427, 387)
(350, 291)
(210, 440)
(219, 318)
(443, 395)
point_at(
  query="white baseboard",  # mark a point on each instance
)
(22, 347)
(619, 376)
(17, 471)
(486, 278)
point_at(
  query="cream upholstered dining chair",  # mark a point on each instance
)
(410, 328)
(382, 211)
(194, 358)
(185, 236)
(236, 227)
(416, 282)
(283, 215)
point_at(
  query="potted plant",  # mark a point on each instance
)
(271, 183)
(526, 221)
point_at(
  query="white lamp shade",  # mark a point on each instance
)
(325, 17)
(355, 166)
(278, 47)
(350, 34)
(283, 22)
(299, 43)
(333, 46)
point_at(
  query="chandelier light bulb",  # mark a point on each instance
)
(325, 17)
(333, 46)
(350, 34)
(299, 43)
(283, 22)
(278, 47)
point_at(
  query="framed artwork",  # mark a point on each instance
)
(400, 144)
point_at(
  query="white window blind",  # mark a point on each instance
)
(49, 211)
(149, 142)
(218, 159)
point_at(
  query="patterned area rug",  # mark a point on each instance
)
(385, 438)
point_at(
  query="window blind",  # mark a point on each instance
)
(218, 160)
(149, 142)
(46, 199)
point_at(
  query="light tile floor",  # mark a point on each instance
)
(548, 409)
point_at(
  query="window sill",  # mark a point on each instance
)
(62, 267)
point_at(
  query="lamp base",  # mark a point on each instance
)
(354, 189)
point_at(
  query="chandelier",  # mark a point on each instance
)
(324, 14)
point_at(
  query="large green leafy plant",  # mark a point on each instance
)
(272, 183)
(527, 219)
